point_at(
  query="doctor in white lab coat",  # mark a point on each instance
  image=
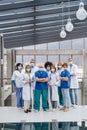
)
(54, 81)
(73, 69)
(27, 85)
(17, 78)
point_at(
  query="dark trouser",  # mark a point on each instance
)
(61, 102)
(54, 104)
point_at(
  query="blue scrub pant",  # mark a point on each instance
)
(74, 96)
(19, 97)
(38, 93)
(61, 102)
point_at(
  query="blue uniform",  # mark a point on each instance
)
(65, 84)
(41, 88)
(41, 85)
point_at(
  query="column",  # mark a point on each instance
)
(84, 77)
(1, 70)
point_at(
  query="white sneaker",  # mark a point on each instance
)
(36, 111)
(53, 109)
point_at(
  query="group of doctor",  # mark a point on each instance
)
(46, 85)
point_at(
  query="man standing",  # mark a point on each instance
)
(73, 82)
(41, 88)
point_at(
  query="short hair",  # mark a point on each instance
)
(32, 61)
(59, 63)
(18, 64)
(65, 64)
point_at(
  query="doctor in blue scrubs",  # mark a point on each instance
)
(41, 88)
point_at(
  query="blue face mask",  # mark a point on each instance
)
(48, 68)
(32, 64)
(64, 68)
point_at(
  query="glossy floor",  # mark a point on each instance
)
(45, 126)
(13, 115)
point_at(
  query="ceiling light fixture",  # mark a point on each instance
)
(81, 13)
(63, 32)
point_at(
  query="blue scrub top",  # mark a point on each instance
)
(41, 85)
(65, 84)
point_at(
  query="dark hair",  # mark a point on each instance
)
(48, 63)
(18, 64)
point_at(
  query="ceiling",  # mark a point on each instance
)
(29, 22)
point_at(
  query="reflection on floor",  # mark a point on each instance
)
(45, 126)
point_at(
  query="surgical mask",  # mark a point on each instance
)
(19, 68)
(32, 64)
(41, 69)
(48, 68)
(52, 70)
(27, 69)
(64, 68)
(59, 67)
(70, 63)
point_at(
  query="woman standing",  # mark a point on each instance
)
(17, 78)
(65, 85)
(54, 81)
(27, 84)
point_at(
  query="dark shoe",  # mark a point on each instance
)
(29, 110)
(26, 111)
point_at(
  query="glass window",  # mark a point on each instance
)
(78, 60)
(85, 43)
(65, 44)
(18, 59)
(64, 58)
(77, 44)
(40, 59)
(41, 47)
(53, 46)
(27, 58)
(53, 59)
(28, 47)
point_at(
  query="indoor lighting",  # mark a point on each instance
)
(81, 13)
(69, 26)
(63, 33)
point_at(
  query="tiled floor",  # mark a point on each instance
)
(12, 115)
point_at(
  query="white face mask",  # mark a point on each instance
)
(48, 68)
(41, 69)
(52, 70)
(19, 68)
(59, 67)
(70, 63)
(64, 68)
(27, 69)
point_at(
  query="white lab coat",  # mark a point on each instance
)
(18, 77)
(54, 81)
(73, 76)
(26, 86)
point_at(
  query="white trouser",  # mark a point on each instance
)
(26, 104)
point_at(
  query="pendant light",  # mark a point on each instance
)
(69, 26)
(63, 32)
(81, 13)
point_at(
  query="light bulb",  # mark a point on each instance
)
(81, 13)
(69, 26)
(63, 33)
